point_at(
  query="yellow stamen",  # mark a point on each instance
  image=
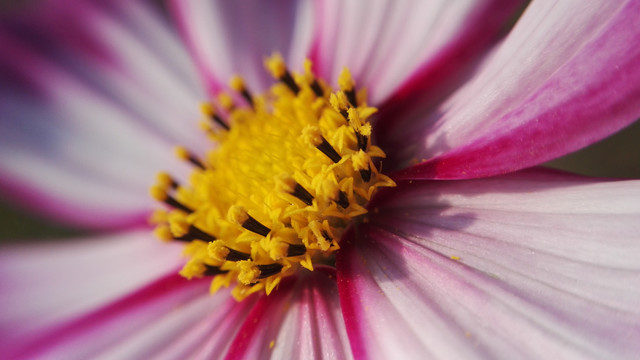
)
(248, 272)
(207, 109)
(158, 193)
(178, 224)
(339, 102)
(345, 81)
(237, 83)
(165, 181)
(275, 65)
(360, 160)
(163, 233)
(237, 214)
(218, 250)
(226, 101)
(182, 153)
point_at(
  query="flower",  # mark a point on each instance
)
(489, 261)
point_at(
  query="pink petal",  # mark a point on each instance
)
(300, 320)
(84, 139)
(562, 80)
(544, 265)
(394, 47)
(42, 285)
(233, 37)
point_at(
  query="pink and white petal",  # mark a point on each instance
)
(77, 146)
(562, 79)
(153, 75)
(43, 285)
(213, 335)
(531, 265)
(174, 319)
(146, 324)
(234, 37)
(405, 47)
(300, 320)
(124, 50)
(79, 157)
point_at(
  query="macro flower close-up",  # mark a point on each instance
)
(318, 179)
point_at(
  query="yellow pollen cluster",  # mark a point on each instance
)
(291, 169)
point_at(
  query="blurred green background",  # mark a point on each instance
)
(617, 156)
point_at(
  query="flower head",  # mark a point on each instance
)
(492, 260)
(292, 169)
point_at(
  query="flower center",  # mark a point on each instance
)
(291, 169)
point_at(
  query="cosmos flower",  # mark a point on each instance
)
(473, 254)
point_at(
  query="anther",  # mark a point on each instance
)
(226, 101)
(302, 194)
(166, 181)
(351, 95)
(361, 163)
(184, 154)
(348, 86)
(311, 79)
(296, 250)
(211, 270)
(315, 86)
(343, 201)
(269, 270)
(287, 79)
(240, 216)
(221, 252)
(362, 140)
(360, 131)
(196, 233)
(340, 103)
(313, 136)
(208, 110)
(275, 64)
(328, 150)
(184, 238)
(292, 187)
(366, 174)
(160, 194)
(255, 226)
(163, 232)
(238, 85)
(235, 255)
